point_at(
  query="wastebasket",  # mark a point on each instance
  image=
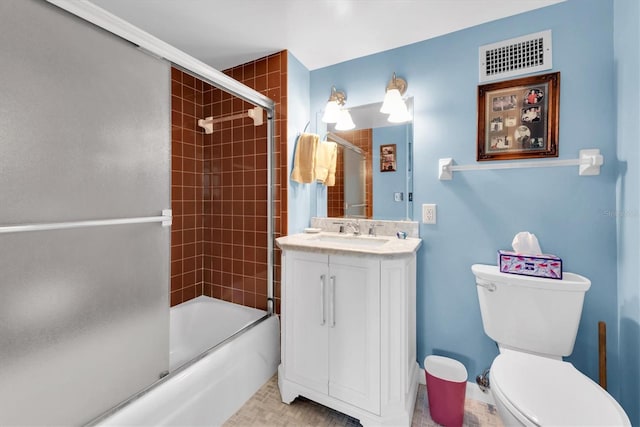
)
(446, 387)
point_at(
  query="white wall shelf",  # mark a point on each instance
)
(589, 163)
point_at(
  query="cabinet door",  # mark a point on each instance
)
(354, 331)
(305, 318)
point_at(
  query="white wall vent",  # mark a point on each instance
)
(514, 57)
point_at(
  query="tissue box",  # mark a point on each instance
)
(549, 266)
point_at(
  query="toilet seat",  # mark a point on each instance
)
(546, 392)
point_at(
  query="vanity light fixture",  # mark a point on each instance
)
(400, 115)
(345, 122)
(393, 103)
(334, 104)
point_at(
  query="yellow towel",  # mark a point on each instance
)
(331, 178)
(325, 155)
(304, 161)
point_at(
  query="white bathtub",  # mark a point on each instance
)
(213, 388)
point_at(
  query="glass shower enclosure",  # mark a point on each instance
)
(84, 255)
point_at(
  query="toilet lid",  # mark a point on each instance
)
(552, 392)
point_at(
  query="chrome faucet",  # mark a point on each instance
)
(372, 229)
(355, 226)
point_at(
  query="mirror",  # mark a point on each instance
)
(374, 166)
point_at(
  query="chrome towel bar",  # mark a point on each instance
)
(165, 219)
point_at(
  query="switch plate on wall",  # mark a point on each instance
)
(429, 213)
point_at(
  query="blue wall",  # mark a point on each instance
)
(299, 202)
(627, 69)
(480, 211)
(386, 183)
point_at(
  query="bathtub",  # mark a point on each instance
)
(206, 388)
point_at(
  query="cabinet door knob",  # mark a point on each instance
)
(322, 319)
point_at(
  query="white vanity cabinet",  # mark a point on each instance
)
(348, 333)
(332, 326)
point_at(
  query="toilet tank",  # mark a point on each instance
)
(531, 314)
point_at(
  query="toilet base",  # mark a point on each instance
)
(530, 390)
(505, 411)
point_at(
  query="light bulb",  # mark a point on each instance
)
(345, 122)
(331, 112)
(392, 100)
(400, 114)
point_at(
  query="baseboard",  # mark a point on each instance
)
(473, 390)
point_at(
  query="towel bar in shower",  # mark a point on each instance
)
(165, 219)
(255, 113)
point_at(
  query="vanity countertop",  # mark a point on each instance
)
(331, 242)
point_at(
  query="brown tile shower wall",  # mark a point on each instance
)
(362, 138)
(219, 187)
(235, 188)
(186, 187)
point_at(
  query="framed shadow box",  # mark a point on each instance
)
(518, 119)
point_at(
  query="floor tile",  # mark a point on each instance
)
(265, 408)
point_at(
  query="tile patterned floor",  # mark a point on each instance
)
(266, 409)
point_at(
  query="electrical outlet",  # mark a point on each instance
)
(397, 197)
(429, 213)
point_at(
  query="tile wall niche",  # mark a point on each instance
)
(232, 231)
(362, 138)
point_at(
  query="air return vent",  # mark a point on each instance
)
(514, 57)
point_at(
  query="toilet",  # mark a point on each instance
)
(534, 321)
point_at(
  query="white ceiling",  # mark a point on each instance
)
(225, 33)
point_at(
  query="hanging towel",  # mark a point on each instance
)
(325, 155)
(304, 161)
(331, 178)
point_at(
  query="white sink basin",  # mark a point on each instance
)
(332, 242)
(358, 241)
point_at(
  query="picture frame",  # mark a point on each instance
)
(388, 158)
(519, 119)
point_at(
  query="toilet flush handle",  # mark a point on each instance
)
(486, 284)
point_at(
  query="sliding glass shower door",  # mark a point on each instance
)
(84, 135)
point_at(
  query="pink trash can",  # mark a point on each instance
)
(446, 387)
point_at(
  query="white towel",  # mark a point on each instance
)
(326, 155)
(304, 161)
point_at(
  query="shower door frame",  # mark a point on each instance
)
(156, 47)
